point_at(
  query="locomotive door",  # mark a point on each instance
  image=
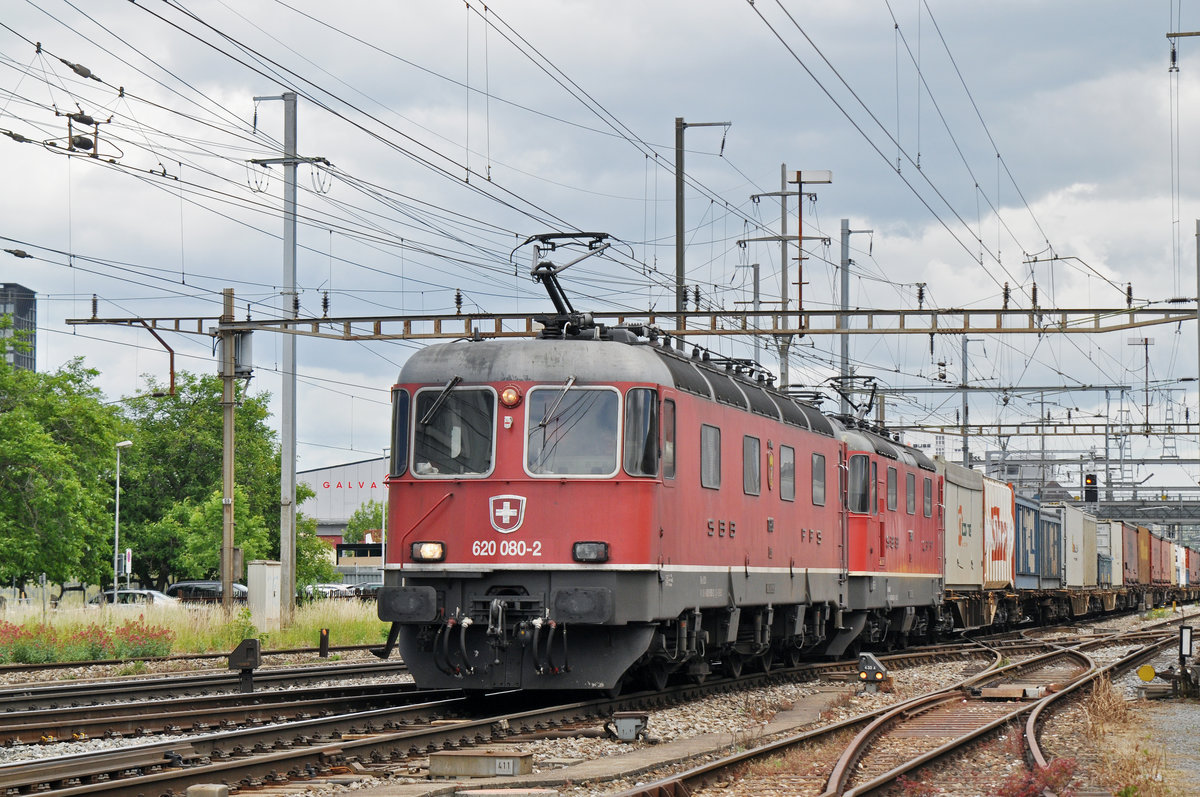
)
(843, 515)
(667, 513)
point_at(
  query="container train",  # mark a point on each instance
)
(599, 505)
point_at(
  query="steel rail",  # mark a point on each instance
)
(845, 768)
(43, 694)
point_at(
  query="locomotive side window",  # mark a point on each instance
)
(787, 473)
(641, 432)
(751, 466)
(818, 479)
(454, 432)
(572, 432)
(911, 485)
(399, 461)
(710, 456)
(668, 424)
(892, 488)
(859, 487)
(929, 498)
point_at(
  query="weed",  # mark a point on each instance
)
(133, 668)
(1055, 776)
(915, 788)
(1135, 770)
(1105, 708)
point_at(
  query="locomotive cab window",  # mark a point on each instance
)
(892, 487)
(710, 457)
(910, 483)
(818, 479)
(454, 432)
(572, 431)
(399, 459)
(859, 488)
(751, 466)
(929, 498)
(641, 432)
(787, 473)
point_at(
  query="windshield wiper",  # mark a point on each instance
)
(550, 410)
(441, 399)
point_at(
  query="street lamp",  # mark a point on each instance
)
(117, 523)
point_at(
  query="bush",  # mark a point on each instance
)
(43, 643)
(134, 639)
(91, 643)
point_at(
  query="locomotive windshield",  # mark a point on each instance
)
(572, 432)
(453, 434)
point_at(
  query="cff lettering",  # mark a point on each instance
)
(719, 528)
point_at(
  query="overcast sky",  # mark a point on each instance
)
(971, 137)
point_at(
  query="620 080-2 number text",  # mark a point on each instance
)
(506, 548)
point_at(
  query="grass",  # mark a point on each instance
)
(89, 633)
(1132, 763)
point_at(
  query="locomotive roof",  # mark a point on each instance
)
(535, 361)
(604, 361)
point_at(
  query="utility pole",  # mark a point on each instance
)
(289, 308)
(680, 275)
(844, 371)
(227, 410)
(966, 451)
(822, 176)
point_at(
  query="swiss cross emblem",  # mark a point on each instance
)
(508, 512)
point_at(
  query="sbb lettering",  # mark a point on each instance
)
(719, 528)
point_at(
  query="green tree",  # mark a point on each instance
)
(314, 556)
(201, 554)
(368, 517)
(56, 473)
(176, 460)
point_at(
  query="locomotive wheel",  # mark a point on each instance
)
(765, 661)
(656, 676)
(733, 664)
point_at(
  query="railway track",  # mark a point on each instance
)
(293, 750)
(42, 694)
(387, 740)
(890, 742)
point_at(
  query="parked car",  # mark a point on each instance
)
(134, 596)
(204, 591)
(328, 591)
(368, 591)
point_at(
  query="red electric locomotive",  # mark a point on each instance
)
(597, 504)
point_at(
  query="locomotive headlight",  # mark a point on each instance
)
(590, 551)
(428, 551)
(510, 396)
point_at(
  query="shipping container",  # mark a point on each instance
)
(1145, 556)
(1179, 574)
(1050, 544)
(1160, 561)
(1028, 551)
(1193, 558)
(999, 537)
(1090, 562)
(1109, 541)
(964, 527)
(1074, 551)
(1129, 556)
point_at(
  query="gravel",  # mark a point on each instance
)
(743, 715)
